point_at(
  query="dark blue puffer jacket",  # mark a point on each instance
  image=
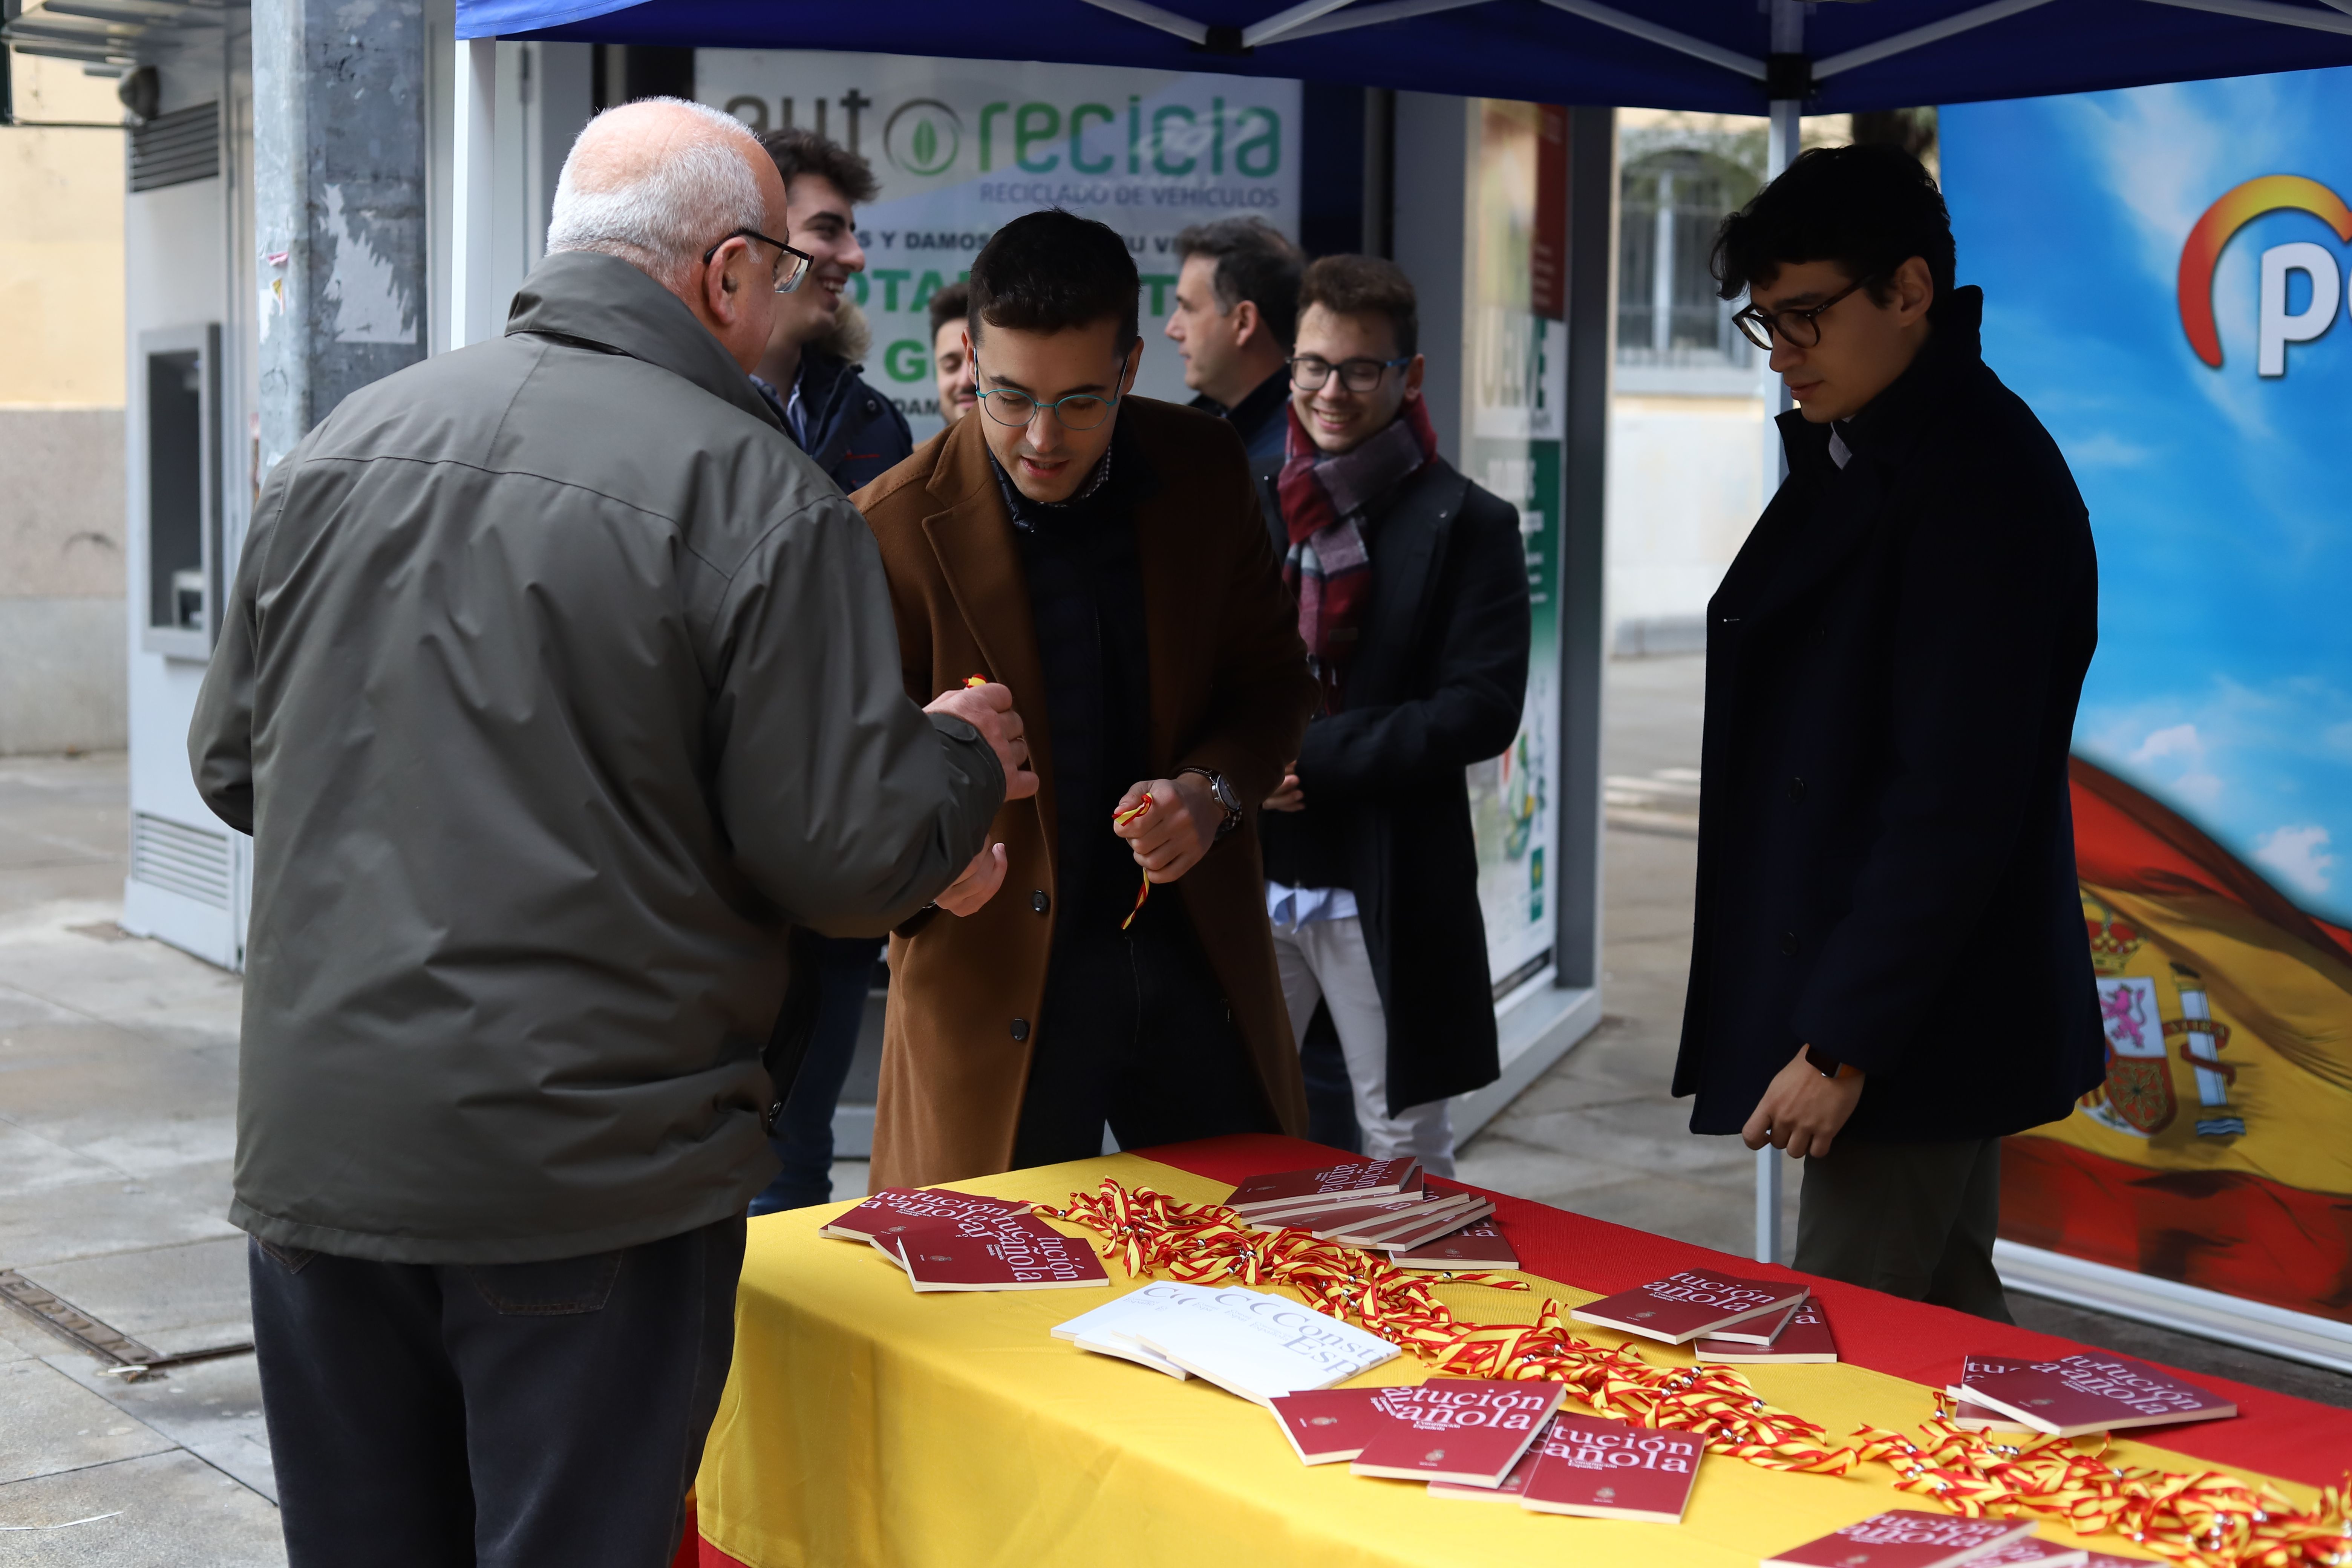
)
(856, 433)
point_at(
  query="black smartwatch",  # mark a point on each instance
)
(1821, 1062)
(1227, 802)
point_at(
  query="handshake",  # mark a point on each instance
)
(1167, 840)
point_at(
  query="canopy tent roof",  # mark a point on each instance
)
(1716, 54)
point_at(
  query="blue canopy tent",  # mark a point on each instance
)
(1780, 58)
(1731, 57)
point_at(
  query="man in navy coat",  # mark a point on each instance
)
(1889, 971)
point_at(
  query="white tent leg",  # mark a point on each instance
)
(472, 186)
(1781, 145)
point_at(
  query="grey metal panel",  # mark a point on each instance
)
(1591, 312)
(176, 148)
(1431, 153)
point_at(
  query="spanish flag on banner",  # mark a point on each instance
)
(2219, 1151)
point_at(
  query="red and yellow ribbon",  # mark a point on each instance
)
(1120, 819)
(2207, 1519)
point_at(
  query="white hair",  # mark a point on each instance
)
(658, 211)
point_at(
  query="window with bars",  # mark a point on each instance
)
(1668, 313)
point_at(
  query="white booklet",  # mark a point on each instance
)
(1104, 1331)
(1257, 1345)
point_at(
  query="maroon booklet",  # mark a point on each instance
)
(1411, 1229)
(2034, 1552)
(1973, 1417)
(895, 1210)
(1006, 1252)
(1511, 1486)
(1479, 1245)
(1331, 1224)
(1607, 1469)
(1333, 1184)
(1688, 1305)
(1327, 1425)
(1463, 1429)
(1905, 1538)
(1804, 1339)
(2092, 1391)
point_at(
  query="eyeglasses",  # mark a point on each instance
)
(1080, 411)
(792, 266)
(1310, 372)
(1798, 329)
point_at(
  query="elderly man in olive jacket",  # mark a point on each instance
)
(556, 684)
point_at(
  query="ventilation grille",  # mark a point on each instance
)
(176, 148)
(180, 859)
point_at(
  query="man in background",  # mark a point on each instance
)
(554, 684)
(1413, 601)
(1236, 302)
(810, 377)
(950, 354)
(1102, 555)
(1885, 835)
(853, 432)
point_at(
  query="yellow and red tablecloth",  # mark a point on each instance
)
(864, 1423)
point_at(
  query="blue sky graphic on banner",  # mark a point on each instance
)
(2220, 495)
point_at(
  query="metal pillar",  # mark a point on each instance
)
(1592, 354)
(339, 203)
(1783, 141)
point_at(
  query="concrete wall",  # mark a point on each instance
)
(62, 680)
(1686, 483)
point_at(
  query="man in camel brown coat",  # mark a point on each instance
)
(1103, 556)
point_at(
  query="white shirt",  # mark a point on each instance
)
(1290, 908)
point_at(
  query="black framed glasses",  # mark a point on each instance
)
(792, 266)
(1309, 372)
(1798, 329)
(1080, 411)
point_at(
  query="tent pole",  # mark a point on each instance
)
(471, 191)
(1782, 141)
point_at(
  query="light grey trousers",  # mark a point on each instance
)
(1327, 961)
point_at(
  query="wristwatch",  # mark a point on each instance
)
(1227, 802)
(1821, 1062)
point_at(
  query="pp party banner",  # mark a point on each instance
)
(2164, 273)
(962, 146)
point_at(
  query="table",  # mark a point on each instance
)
(864, 1423)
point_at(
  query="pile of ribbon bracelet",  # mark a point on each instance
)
(2209, 1519)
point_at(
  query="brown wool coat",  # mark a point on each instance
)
(1230, 692)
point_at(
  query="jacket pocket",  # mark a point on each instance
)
(559, 1288)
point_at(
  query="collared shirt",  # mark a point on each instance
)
(1290, 908)
(1840, 453)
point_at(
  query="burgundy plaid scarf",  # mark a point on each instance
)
(1324, 502)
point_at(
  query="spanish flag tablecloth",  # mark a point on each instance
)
(864, 1423)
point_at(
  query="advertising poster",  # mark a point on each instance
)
(960, 146)
(1514, 391)
(2164, 271)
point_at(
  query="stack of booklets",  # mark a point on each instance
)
(1799, 1335)
(1387, 1205)
(1249, 1343)
(2092, 1391)
(960, 1241)
(1976, 1418)
(1906, 1538)
(1597, 1469)
(1693, 1304)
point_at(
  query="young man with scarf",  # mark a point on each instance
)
(1413, 601)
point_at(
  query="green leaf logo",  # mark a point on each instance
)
(922, 137)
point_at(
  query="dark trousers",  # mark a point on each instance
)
(1134, 1032)
(510, 1415)
(1915, 1220)
(803, 1136)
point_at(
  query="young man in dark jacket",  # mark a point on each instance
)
(1413, 601)
(1888, 971)
(855, 434)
